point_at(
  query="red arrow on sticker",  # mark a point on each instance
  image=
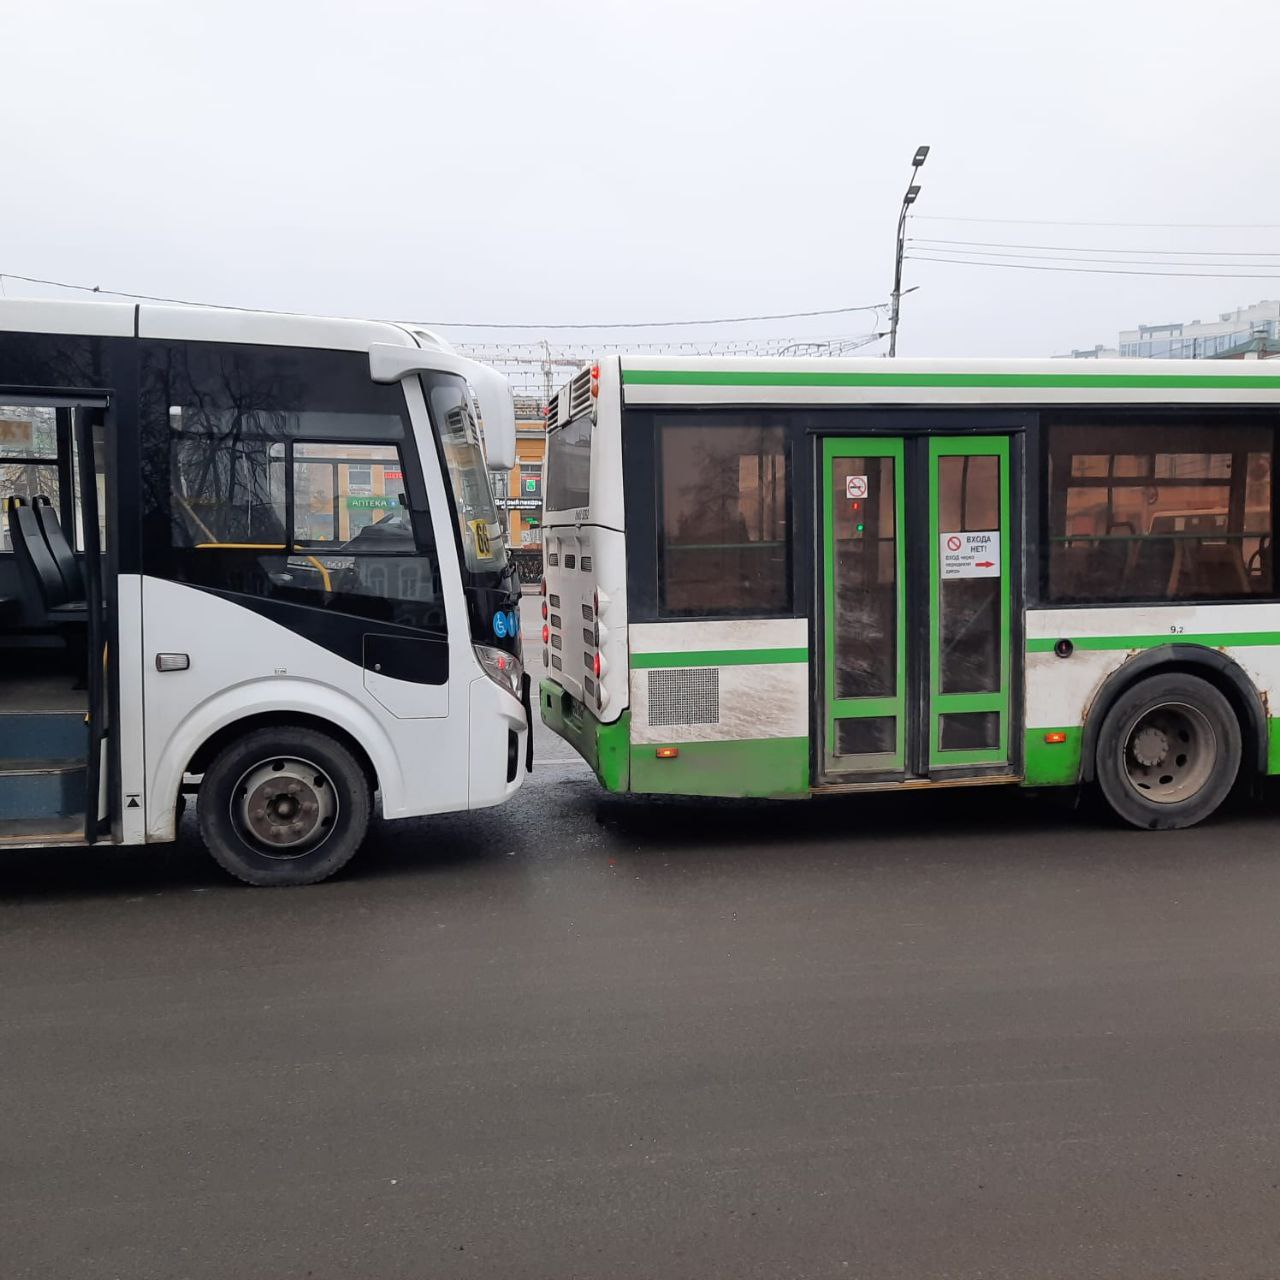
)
(985, 564)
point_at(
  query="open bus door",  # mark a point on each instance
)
(88, 427)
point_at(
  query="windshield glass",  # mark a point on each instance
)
(449, 399)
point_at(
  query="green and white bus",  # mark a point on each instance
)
(787, 576)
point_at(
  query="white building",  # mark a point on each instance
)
(1203, 339)
(1253, 329)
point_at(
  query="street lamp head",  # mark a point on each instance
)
(910, 197)
(921, 153)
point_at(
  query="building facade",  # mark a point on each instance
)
(1247, 332)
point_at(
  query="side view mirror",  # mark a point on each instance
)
(389, 363)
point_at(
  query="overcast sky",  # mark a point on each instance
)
(557, 161)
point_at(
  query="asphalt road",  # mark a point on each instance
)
(970, 1036)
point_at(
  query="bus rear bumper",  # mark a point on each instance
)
(605, 747)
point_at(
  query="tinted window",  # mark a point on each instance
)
(569, 466)
(725, 540)
(285, 475)
(1160, 511)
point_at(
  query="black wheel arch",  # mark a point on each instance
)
(1212, 665)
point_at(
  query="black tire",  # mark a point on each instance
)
(283, 806)
(1168, 752)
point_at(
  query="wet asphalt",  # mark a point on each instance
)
(976, 1034)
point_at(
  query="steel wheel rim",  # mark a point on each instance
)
(1169, 753)
(284, 807)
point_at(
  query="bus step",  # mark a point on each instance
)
(50, 735)
(41, 789)
(19, 834)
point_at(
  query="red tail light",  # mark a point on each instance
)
(544, 609)
(546, 634)
(595, 665)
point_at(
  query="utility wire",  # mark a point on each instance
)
(651, 324)
(1071, 248)
(1102, 271)
(1053, 257)
(454, 324)
(1062, 222)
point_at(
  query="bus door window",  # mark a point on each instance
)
(969, 608)
(864, 568)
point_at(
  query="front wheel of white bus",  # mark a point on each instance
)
(1168, 752)
(286, 806)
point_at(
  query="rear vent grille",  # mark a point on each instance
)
(553, 412)
(580, 394)
(585, 566)
(684, 696)
(556, 663)
(570, 560)
(587, 615)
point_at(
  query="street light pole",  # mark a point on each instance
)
(908, 199)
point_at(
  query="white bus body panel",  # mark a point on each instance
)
(595, 531)
(1060, 691)
(242, 665)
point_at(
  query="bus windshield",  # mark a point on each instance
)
(450, 403)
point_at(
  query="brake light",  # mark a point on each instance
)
(596, 664)
(595, 381)
(546, 634)
(545, 610)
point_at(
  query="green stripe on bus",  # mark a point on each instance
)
(755, 767)
(828, 378)
(719, 658)
(1213, 640)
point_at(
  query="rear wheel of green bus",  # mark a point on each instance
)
(1168, 752)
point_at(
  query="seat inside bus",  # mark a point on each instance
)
(43, 670)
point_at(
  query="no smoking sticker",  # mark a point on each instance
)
(855, 486)
(969, 555)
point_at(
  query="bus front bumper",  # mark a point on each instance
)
(605, 747)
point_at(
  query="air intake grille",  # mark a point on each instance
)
(684, 696)
(580, 394)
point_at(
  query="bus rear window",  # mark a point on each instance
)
(568, 478)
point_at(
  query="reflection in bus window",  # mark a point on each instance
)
(726, 541)
(1184, 513)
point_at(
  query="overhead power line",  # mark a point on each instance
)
(1065, 222)
(650, 324)
(1071, 248)
(1057, 257)
(1102, 271)
(458, 324)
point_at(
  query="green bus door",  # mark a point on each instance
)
(916, 607)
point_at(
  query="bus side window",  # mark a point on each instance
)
(238, 428)
(1160, 510)
(724, 533)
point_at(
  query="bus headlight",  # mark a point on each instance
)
(501, 667)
